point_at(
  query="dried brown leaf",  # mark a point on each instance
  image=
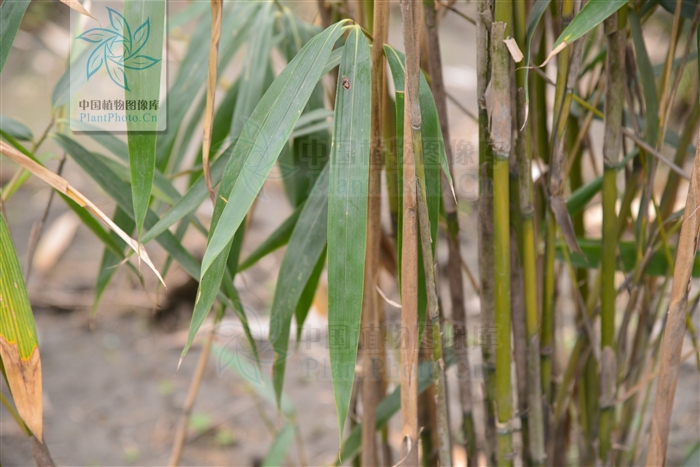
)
(77, 6)
(211, 91)
(62, 185)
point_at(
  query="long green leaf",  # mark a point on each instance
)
(14, 128)
(307, 296)
(646, 77)
(252, 376)
(591, 15)
(264, 135)
(11, 14)
(308, 154)
(536, 14)
(192, 74)
(255, 67)
(19, 347)
(191, 200)
(306, 245)
(279, 447)
(433, 157)
(687, 7)
(275, 240)
(347, 216)
(120, 192)
(433, 144)
(110, 260)
(144, 84)
(657, 266)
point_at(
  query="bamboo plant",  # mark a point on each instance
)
(579, 224)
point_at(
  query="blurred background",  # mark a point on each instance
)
(111, 392)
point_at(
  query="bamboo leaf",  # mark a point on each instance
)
(433, 151)
(191, 200)
(275, 240)
(646, 77)
(591, 15)
(347, 216)
(280, 445)
(308, 295)
(258, 380)
(14, 128)
(333, 60)
(110, 260)
(306, 246)
(145, 85)
(308, 153)
(433, 145)
(687, 7)
(693, 457)
(580, 198)
(11, 14)
(62, 186)
(255, 68)
(192, 75)
(19, 347)
(536, 13)
(264, 135)
(592, 250)
(120, 192)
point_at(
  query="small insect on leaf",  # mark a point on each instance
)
(345, 82)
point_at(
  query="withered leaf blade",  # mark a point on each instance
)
(19, 348)
(62, 186)
(77, 6)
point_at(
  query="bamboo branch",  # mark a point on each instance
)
(216, 6)
(675, 323)
(181, 430)
(485, 226)
(372, 344)
(454, 270)
(498, 104)
(534, 450)
(614, 101)
(409, 250)
(443, 427)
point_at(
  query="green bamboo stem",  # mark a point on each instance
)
(614, 101)
(567, 73)
(517, 308)
(549, 278)
(501, 128)
(485, 230)
(454, 265)
(587, 385)
(547, 328)
(533, 431)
